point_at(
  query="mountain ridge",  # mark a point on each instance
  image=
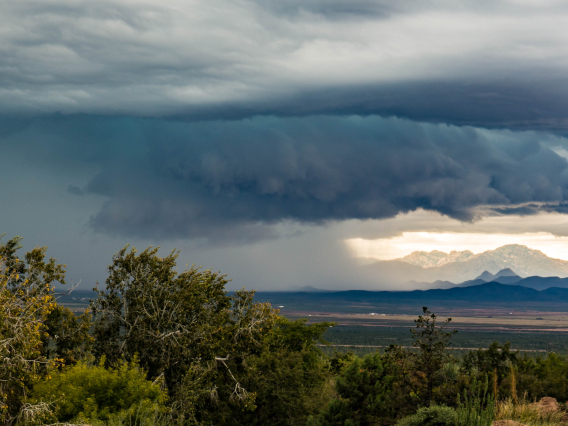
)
(494, 292)
(463, 266)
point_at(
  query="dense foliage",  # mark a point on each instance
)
(161, 347)
(86, 392)
(30, 320)
(435, 415)
(373, 390)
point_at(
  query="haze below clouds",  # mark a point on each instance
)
(260, 137)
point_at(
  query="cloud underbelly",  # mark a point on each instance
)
(235, 179)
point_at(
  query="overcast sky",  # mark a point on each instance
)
(281, 141)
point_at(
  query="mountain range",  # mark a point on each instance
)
(487, 293)
(505, 276)
(462, 266)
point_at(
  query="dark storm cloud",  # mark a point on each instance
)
(533, 209)
(519, 105)
(234, 180)
(494, 64)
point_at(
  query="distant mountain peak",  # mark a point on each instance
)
(486, 276)
(436, 258)
(507, 272)
(520, 247)
(517, 250)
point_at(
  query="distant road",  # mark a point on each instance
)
(412, 347)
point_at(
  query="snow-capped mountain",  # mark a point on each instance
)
(436, 258)
(523, 260)
(460, 266)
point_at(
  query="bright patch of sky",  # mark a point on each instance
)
(408, 242)
(477, 237)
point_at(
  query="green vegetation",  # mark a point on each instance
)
(435, 415)
(355, 338)
(432, 341)
(477, 408)
(372, 390)
(87, 392)
(162, 347)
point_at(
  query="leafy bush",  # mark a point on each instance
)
(93, 392)
(435, 415)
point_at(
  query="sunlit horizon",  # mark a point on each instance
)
(409, 242)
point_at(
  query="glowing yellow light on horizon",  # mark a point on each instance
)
(408, 242)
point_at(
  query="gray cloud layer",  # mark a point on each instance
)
(494, 64)
(234, 180)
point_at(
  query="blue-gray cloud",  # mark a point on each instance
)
(491, 64)
(234, 180)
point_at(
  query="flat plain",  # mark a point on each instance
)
(362, 327)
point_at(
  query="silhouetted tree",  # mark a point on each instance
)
(432, 340)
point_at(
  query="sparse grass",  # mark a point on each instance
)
(527, 413)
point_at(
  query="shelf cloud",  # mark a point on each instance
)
(224, 180)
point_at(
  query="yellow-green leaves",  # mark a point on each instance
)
(26, 301)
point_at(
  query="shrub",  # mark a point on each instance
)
(435, 415)
(527, 413)
(93, 392)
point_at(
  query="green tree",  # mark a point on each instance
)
(496, 359)
(177, 323)
(432, 340)
(28, 302)
(288, 377)
(540, 376)
(374, 390)
(67, 336)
